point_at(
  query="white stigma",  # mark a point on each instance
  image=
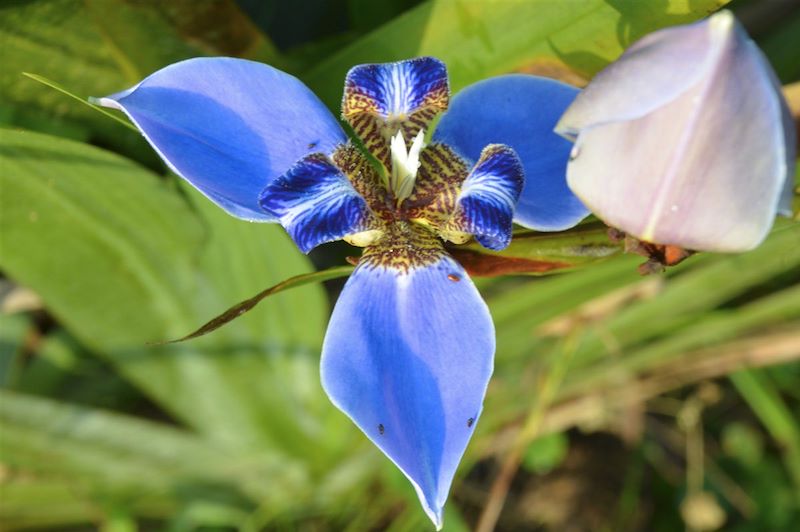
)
(405, 164)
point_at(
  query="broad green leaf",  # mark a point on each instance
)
(111, 458)
(98, 47)
(572, 39)
(121, 260)
(23, 500)
(270, 356)
(61, 367)
(105, 236)
(93, 48)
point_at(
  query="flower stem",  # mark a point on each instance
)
(529, 432)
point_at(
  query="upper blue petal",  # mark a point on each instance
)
(381, 99)
(520, 111)
(229, 126)
(316, 203)
(395, 89)
(407, 357)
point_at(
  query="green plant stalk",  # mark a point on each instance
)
(715, 327)
(767, 404)
(530, 430)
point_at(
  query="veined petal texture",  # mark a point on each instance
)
(407, 356)
(520, 111)
(705, 170)
(229, 126)
(381, 99)
(485, 206)
(316, 203)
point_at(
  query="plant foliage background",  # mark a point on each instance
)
(634, 403)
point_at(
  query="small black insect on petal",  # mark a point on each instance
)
(381, 429)
(470, 421)
(312, 145)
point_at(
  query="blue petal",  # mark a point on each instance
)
(381, 99)
(407, 357)
(316, 203)
(229, 126)
(520, 111)
(395, 89)
(485, 206)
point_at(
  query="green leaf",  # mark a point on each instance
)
(743, 442)
(778, 45)
(481, 39)
(13, 329)
(546, 452)
(98, 47)
(91, 47)
(782, 424)
(641, 336)
(703, 284)
(121, 260)
(102, 236)
(61, 367)
(111, 458)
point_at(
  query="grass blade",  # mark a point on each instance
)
(62, 90)
(248, 304)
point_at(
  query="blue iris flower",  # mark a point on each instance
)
(409, 349)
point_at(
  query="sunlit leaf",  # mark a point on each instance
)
(145, 267)
(476, 40)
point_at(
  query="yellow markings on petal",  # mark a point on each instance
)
(456, 237)
(441, 173)
(403, 247)
(364, 238)
(366, 180)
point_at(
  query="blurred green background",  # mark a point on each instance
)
(619, 402)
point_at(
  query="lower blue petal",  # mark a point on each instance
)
(408, 357)
(520, 111)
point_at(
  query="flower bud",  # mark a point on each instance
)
(685, 140)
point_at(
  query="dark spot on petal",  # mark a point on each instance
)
(312, 145)
(470, 421)
(453, 277)
(381, 429)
